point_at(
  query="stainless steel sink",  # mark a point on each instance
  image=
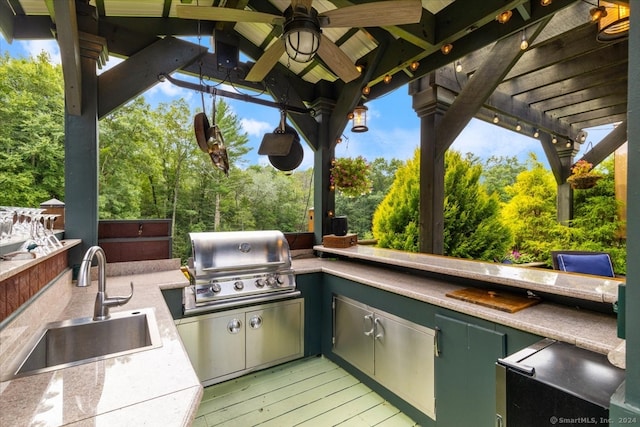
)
(76, 341)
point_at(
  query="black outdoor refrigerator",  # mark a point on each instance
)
(553, 383)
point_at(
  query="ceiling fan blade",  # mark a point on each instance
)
(377, 14)
(337, 60)
(266, 62)
(226, 14)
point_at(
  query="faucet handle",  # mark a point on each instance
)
(103, 302)
(114, 301)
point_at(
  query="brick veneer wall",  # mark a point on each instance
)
(17, 289)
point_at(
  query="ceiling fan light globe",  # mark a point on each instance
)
(301, 35)
(301, 45)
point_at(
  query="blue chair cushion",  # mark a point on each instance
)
(598, 264)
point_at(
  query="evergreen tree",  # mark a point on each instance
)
(472, 228)
(531, 213)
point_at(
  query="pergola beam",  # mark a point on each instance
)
(473, 95)
(67, 35)
(608, 145)
(140, 72)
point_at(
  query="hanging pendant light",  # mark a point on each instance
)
(359, 120)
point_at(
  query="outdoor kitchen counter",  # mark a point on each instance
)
(155, 387)
(584, 328)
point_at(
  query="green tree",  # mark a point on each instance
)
(531, 212)
(472, 228)
(32, 131)
(359, 210)
(500, 172)
(596, 222)
(127, 160)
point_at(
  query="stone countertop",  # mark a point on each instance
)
(584, 328)
(10, 268)
(574, 285)
(149, 387)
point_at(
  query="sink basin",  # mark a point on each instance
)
(76, 341)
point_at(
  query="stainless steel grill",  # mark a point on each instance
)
(234, 268)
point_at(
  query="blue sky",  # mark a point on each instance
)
(394, 128)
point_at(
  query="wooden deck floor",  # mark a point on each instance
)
(307, 392)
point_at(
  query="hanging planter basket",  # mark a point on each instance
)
(583, 181)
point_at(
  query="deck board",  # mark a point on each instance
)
(306, 392)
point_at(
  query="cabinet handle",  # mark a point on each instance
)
(378, 324)
(368, 317)
(233, 327)
(436, 341)
(255, 322)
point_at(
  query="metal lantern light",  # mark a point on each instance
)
(359, 120)
(613, 23)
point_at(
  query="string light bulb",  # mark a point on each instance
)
(536, 133)
(458, 67)
(366, 90)
(504, 17)
(545, 2)
(446, 48)
(387, 79)
(569, 143)
(554, 140)
(496, 119)
(518, 126)
(597, 13)
(524, 43)
(414, 65)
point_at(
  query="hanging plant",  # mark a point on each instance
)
(582, 176)
(351, 176)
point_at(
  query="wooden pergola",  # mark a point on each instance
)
(563, 83)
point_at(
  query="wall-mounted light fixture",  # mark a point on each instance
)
(359, 119)
(524, 43)
(504, 17)
(536, 133)
(496, 119)
(458, 66)
(446, 48)
(301, 34)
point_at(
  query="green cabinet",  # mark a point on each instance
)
(465, 374)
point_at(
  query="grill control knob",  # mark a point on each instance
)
(260, 283)
(272, 282)
(215, 287)
(238, 285)
(280, 280)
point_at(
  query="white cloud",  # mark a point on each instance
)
(255, 127)
(35, 47)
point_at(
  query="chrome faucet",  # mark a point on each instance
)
(103, 302)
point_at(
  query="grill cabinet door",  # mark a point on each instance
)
(353, 334)
(275, 332)
(404, 360)
(215, 343)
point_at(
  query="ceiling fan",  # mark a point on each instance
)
(302, 36)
